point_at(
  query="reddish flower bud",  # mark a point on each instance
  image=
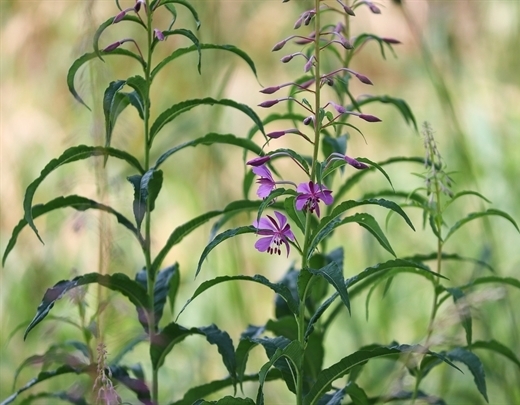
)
(349, 10)
(308, 120)
(268, 103)
(369, 118)
(275, 134)
(258, 161)
(362, 78)
(391, 41)
(339, 108)
(307, 84)
(345, 42)
(355, 163)
(158, 34)
(113, 46)
(309, 64)
(119, 17)
(298, 22)
(138, 5)
(279, 45)
(287, 58)
(270, 90)
(373, 8)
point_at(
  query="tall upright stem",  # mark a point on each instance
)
(150, 272)
(317, 131)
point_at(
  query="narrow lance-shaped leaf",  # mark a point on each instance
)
(475, 366)
(44, 375)
(146, 190)
(136, 385)
(221, 238)
(113, 104)
(188, 34)
(161, 288)
(173, 112)
(496, 347)
(334, 276)
(481, 214)
(463, 311)
(339, 369)
(449, 256)
(73, 201)
(108, 23)
(140, 86)
(61, 395)
(70, 155)
(183, 51)
(117, 282)
(187, 5)
(78, 63)
(278, 288)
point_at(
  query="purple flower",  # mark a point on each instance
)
(158, 34)
(266, 181)
(310, 195)
(276, 232)
(258, 161)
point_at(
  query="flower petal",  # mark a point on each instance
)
(263, 244)
(304, 188)
(265, 224)
(263, 171)
(300, 201)
(282, 219)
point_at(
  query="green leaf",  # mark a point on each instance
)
(248, 340)
(187, 5)
(228, 400)
(89, 56)
(474, 364)
(179, 233)
(136, 385)
(377, 166)
(268, 201)
(183, 51)
(331, 221)
(63, 395)
(463, 312)
(146, 190)
(177, 109)
(173, 289)
(334, 276)
(210, 139)
(278, 288)
(173, 333)
(496, 347)
(107, 24)
(161, 288)
(297, 216)
(449, 256)
(70, 155)
(139, 96)
(462, 194)
(73, 201)
(476, 215)
(231, 233)
(359, 174)
(339, 369)
(195, 393)
(114, 103)
(44, 375)
(184, 32)
(117, 282)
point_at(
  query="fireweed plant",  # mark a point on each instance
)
(299, 217)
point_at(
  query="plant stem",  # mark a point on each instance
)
(307, 233)
(150, 272)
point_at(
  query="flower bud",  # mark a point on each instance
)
(339, 108)
(348, 10)
(369, 118)
(309, 64)
(268, 103)
(270, 90)
(287, 58)
(362, 78)
(279, 45)
(373, 8)
(307, 84)
(113, 46)
(158, 34)
(298, 22)
(275, 134)
(355, 163)
(258, 161)
(308, 120)
(391, 41)
(119, 17)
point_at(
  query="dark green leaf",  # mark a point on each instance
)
(173, 288)
(173, 112)
(449, 256)
(114, 103)
(140, 94)
(136, 385)
(107, 24)
(496, 347)
(481, 214)
(146, 190)
(334, 276)
(210, 139)
(474, 364)
(63, 395)
(183, 51)
(463, 311)
(248, 340)
(184, 32)
(73, 201)
(70, 155)
(228, 400)
(87, 57)
(339, 369)
(231, 233)
(118, 282)
(187, 5)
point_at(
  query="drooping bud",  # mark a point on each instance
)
(369, 118)
(339, 108)
(339, 28)
(138, 5)
(362, 78)
(309, 64)
(275, 134)
(258, 161)
(119, 17)
(268, 103)
(345, 42)
(287, 58)
(279, 45)
(298, 22)
(355, 163)
(158, 34)
(270, 90)
(349, 10)
(392, 41)
(308, 120)
(373, 7)
(113, 46)
(307, 84)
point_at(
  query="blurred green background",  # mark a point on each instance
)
(458, 68)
